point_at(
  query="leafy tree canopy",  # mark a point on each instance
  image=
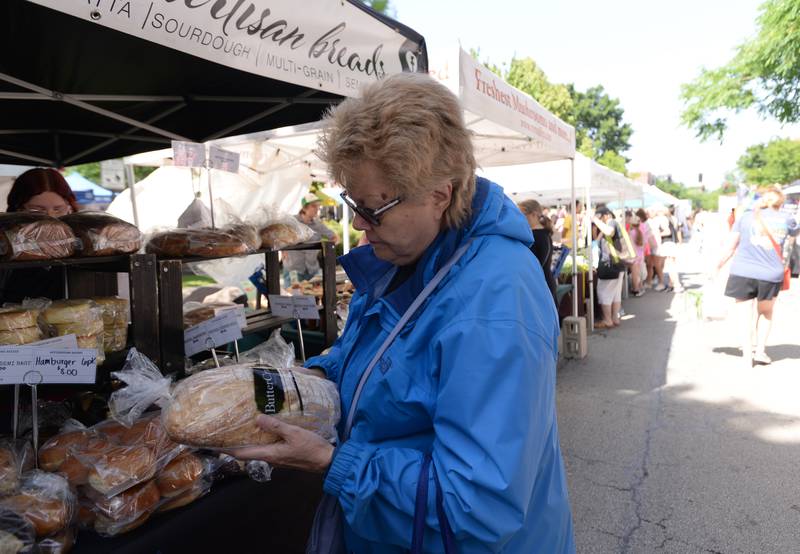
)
(763, 74)
(777, 161)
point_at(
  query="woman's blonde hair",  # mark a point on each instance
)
(529, 207)
(413, 129)
(771, 197)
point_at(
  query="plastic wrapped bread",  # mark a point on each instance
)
(204, 243)
(102, 234)
(30, 236)
(116, 313)
(284, 230)
(45, 500)
(81, 317)
(126, 511)
(217, 408)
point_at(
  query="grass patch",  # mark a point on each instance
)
(197, 281)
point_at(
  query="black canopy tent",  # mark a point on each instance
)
(73, 91)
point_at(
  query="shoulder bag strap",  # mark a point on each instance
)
(426, 292)
(775, 245)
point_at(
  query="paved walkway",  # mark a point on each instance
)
(671, 445)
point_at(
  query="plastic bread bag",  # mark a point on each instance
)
(115, 310)
(54, 451)
(123, 512)
(60, 543)
(217, 408)
(15, 457)
(20, 325)
(44, 499)
(203, 243)
(102, 234)
(31, 236)
(80, 317)
(130, 456)
(17, 534)
(275, 352)
(279, 230)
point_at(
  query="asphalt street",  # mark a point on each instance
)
(671, 444)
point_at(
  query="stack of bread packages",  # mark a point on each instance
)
(83, 318)
(125, 474)
(37, 509)
(217, 408)
(116, 314)
(19, 326)
(28, 236)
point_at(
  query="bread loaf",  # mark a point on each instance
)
(116, 311)
(279, 235)
(248, 234)
(102, 234)
(115, 339)
(86, 328)
(218, 407)
(29, 236)
(184, 498)
(64, 312)
(25, 335)
(126, 511)
(204, 243)
(45, 500)
(17, 318)
(120, 467)
(53, 452)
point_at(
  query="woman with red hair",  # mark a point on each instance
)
(45, 191)
(42, 190)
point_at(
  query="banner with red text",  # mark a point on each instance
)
(328, 45)
(510, 127)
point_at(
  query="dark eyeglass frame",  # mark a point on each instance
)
(373, 217)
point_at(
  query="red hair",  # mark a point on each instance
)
(36, 181)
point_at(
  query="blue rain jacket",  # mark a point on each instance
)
(471, 379)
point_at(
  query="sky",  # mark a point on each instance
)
(641, 51)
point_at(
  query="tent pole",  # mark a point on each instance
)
(574, 210)
(588, 225)
(131, 178)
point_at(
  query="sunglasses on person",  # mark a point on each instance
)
(373, 217)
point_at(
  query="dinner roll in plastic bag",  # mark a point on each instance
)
(44, 499)
(217, 408)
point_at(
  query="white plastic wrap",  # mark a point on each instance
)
(101, 234)
(45, 500)
(29, 236)
(217, 408)
(275, 352)
(281, 230)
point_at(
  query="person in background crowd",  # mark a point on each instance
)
(652, 242)
(664, 227)
(41, 191)
(542, 240)
(571, 225)
(610, 268)
(462, 396)
(303, 265)
(757, 271)
(639, 238)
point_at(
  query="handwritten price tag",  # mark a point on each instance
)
(297, 307)
(188, 154)
(223, 159)
(47, 365)
(219, 330)
(66, 366)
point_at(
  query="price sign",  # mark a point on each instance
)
(297, 307)
(219, 330)
(47, 364)
(238, 310)
(188, 154)
(223, 159)
(65, 366)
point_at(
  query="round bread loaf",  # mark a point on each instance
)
(63, 312)
(204, 243)
(278, 235)
(30, 236)
(102, 234)
(53, 453)
(45, 500)
(17, 318)
(179, 475)
(81, 328)
(120, 467)
(248, 234)
(26, 335)
(116, 312)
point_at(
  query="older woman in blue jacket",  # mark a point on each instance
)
(461, 404)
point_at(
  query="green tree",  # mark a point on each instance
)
(763, 74)
(92, 171)
(381, 6)
(524, 74)
(777, 161)
(599, 125)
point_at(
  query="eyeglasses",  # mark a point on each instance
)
(373, 217)
(57, 211)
